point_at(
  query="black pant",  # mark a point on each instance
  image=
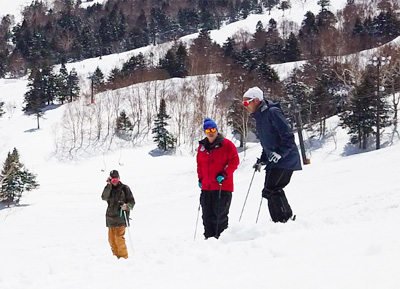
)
(215, 209)
(275, 181)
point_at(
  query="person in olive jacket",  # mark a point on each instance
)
(217, 159)
(120, 201)
(279, 152)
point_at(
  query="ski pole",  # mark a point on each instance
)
(245, 200)
(197, 221)
(129, 233)
(218, 210)
(259, 208)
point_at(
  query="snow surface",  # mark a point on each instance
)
(345, 236)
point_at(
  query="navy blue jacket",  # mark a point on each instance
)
(276, 135)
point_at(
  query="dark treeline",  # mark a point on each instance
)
(65, 32)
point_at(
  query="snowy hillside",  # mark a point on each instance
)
(345, 236)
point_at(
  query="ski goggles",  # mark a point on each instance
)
(247, 102)
(208, 130)
(114, 180)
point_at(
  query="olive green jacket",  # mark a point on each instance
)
(116, 196)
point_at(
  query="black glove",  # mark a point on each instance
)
(257, 166)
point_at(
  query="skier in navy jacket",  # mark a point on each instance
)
(280, 153)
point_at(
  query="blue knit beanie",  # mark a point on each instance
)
(209, 123)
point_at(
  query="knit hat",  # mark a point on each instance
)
(253, 93)
(114, 174)
(209, 123)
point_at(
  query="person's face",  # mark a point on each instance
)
(114, 181)
(211, 134)
(251, 104)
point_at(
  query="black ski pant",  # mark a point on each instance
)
(278, 206)
(215, 206)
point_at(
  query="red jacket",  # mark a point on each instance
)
(219, 157)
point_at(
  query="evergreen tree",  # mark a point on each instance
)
(49, 85)
(361, 116)
(291, 51)
(135, 63)
(15, 179)
(269, 4)
(169, 63)
(73, 85)
(5, 49)
(308, 35)
(165, 141)
(97, 80)
(62, 84)
(124, 125)
(326, 19)
(115, 75)
(87, 43)
(1, 108)
(324, 4)
(159, 25)
(188, 20)
(35, 98)
(182, 61)
(229, 47)
(298, 94)
(285, 5)
(272, 51)
(176, 61)
(260, 36)
(245, 8)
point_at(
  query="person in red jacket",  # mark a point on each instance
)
(217, 159)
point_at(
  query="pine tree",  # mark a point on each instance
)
(269, 4)
(229, 47)
(176, 61)
(135, 63)
(15, 179)
(298, 93)
(169, 63)
(182, 61)
(97, 80)
(124, 125)
(34, 98)
(1, 108)
(73, 85)
(285, 5)
(291, 51)
(308, 35)
(324, 4)
(62, 84)
(361, 116)
(165, 141)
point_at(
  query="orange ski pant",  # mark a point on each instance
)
(117, 241)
